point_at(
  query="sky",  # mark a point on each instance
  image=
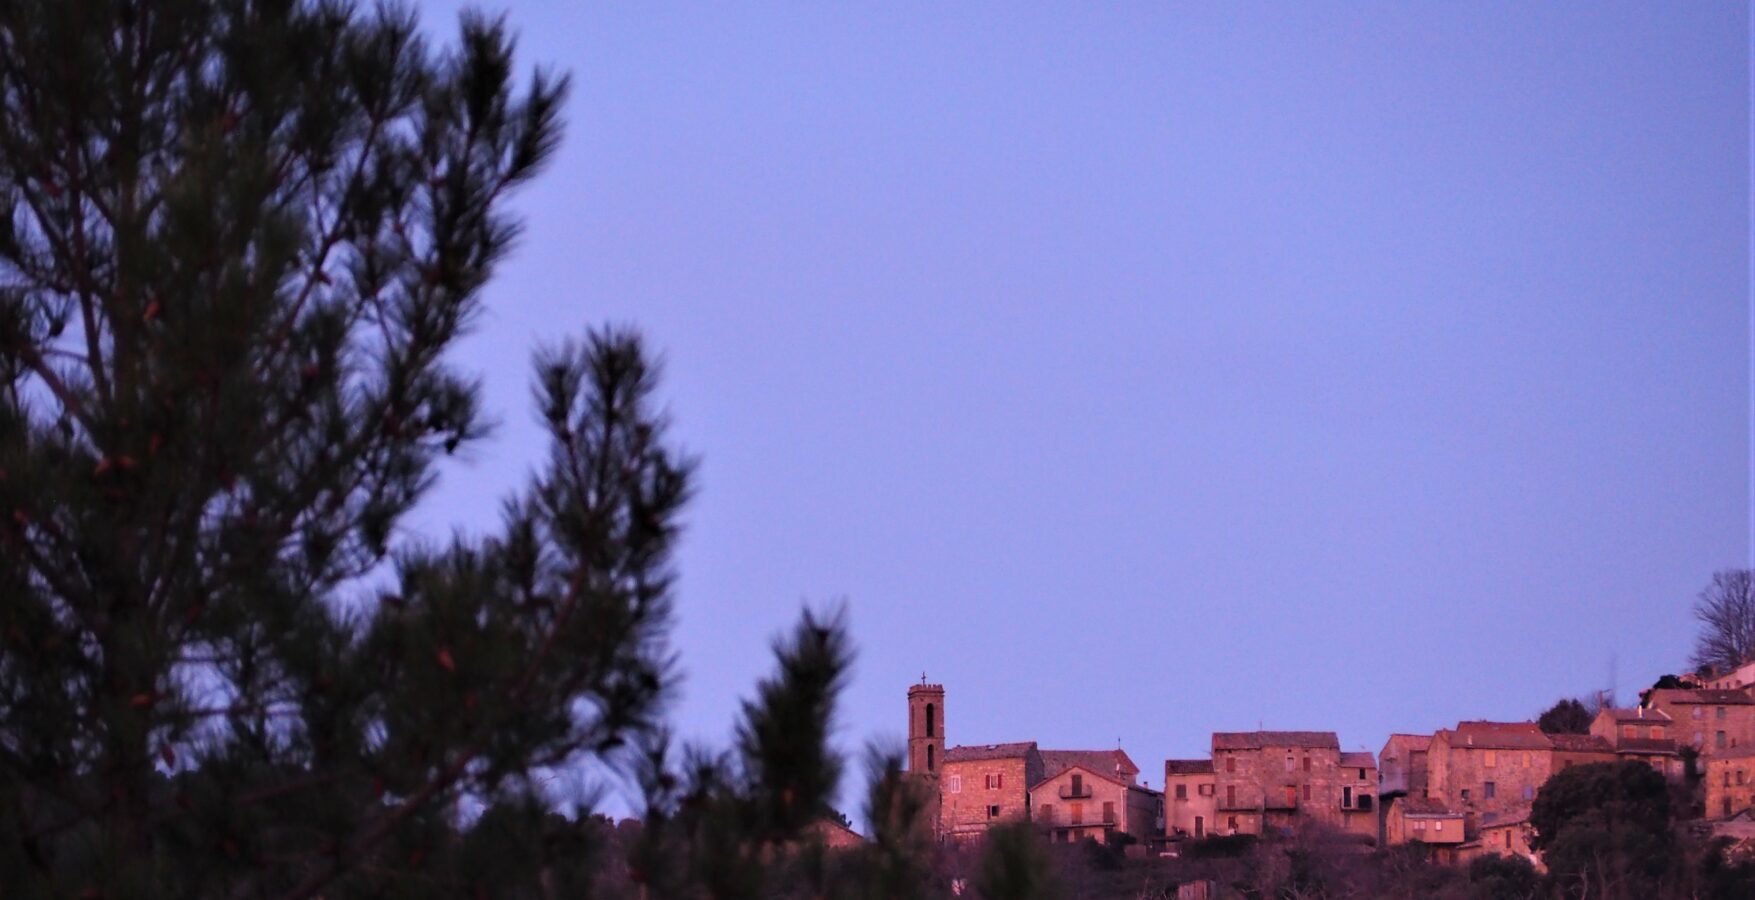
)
(1144, 370)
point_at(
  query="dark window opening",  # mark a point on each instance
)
(931, 727)
(929, 759)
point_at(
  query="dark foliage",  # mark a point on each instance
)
(1604, 829)
(1567, 716)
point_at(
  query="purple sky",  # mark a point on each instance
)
(1144, 370)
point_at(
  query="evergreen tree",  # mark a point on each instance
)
(241, 236)
(1566, 716)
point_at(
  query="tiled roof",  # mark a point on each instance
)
(989, 751)
(1425, 806)
(1109, 763)
(1637, 714)
(1411, 741)
(1188, 767)
(1711, 697)
(1646, 746)
(1358, 760)
(1514, 817)
(1500, 736)
(1580, 743)
(1255, 740)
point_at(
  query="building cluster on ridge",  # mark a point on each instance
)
(1464, 791)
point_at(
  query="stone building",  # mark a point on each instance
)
(1714, 722)
(1507, 837)
(1579, 749)
(1423, 820)
(1641, 735)
(1403, 765)
(1730, 784)
(1488, 770)
(1274, 781)
(1739, 678)
(926, 736)
(1092, 794)
(984, 785)
(1190, 797)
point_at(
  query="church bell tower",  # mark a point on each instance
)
(926, 727)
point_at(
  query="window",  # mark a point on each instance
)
(1046, 813)
(1077, 813)
(1657, 731)
(1440, 826)
(1289, 766)
(1231, 821)
(1719, 740)
(1720, 714)
(1361, 774)
(931, 727)
(1526, 760)
(1365, 801)
(993, 812)
(1200, 826)
(1419, 825)
(929, 757)
(1306, 763)
(1739, 776)
(1230, 795)
(1628, 731)
(1108, 813)
(1490, 758)
(1529, 792)
(1078, 785)
(1347, 795)
(1307, 793)
(1206, 790)
(1696, 712)
(1230, 763)
(1465, 795)
(1699, 739)
(1489, 790)
(955, 783)
(1182, 792)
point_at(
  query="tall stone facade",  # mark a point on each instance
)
(1489, 770)
(926, 733)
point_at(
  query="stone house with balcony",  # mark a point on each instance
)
(1092, 794)
(1729, 782)
(1402, 765)
(1641, 735)
(1489, 770)
(1580, 749)
(1359, 783)
(1190, 797)
(1274, 781)
(1713, 722)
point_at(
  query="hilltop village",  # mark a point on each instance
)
(1464, 792)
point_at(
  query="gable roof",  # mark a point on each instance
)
(1188, 767)
(1076, 770)
(1706, 696)
(1415, 743)
(1112, 764)
(1359, 759)
(1498, 736)
(1637, 714)
(1256, 740)
(978, 752)
(1426, 806)
(1580, 743)
(1646, 746)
